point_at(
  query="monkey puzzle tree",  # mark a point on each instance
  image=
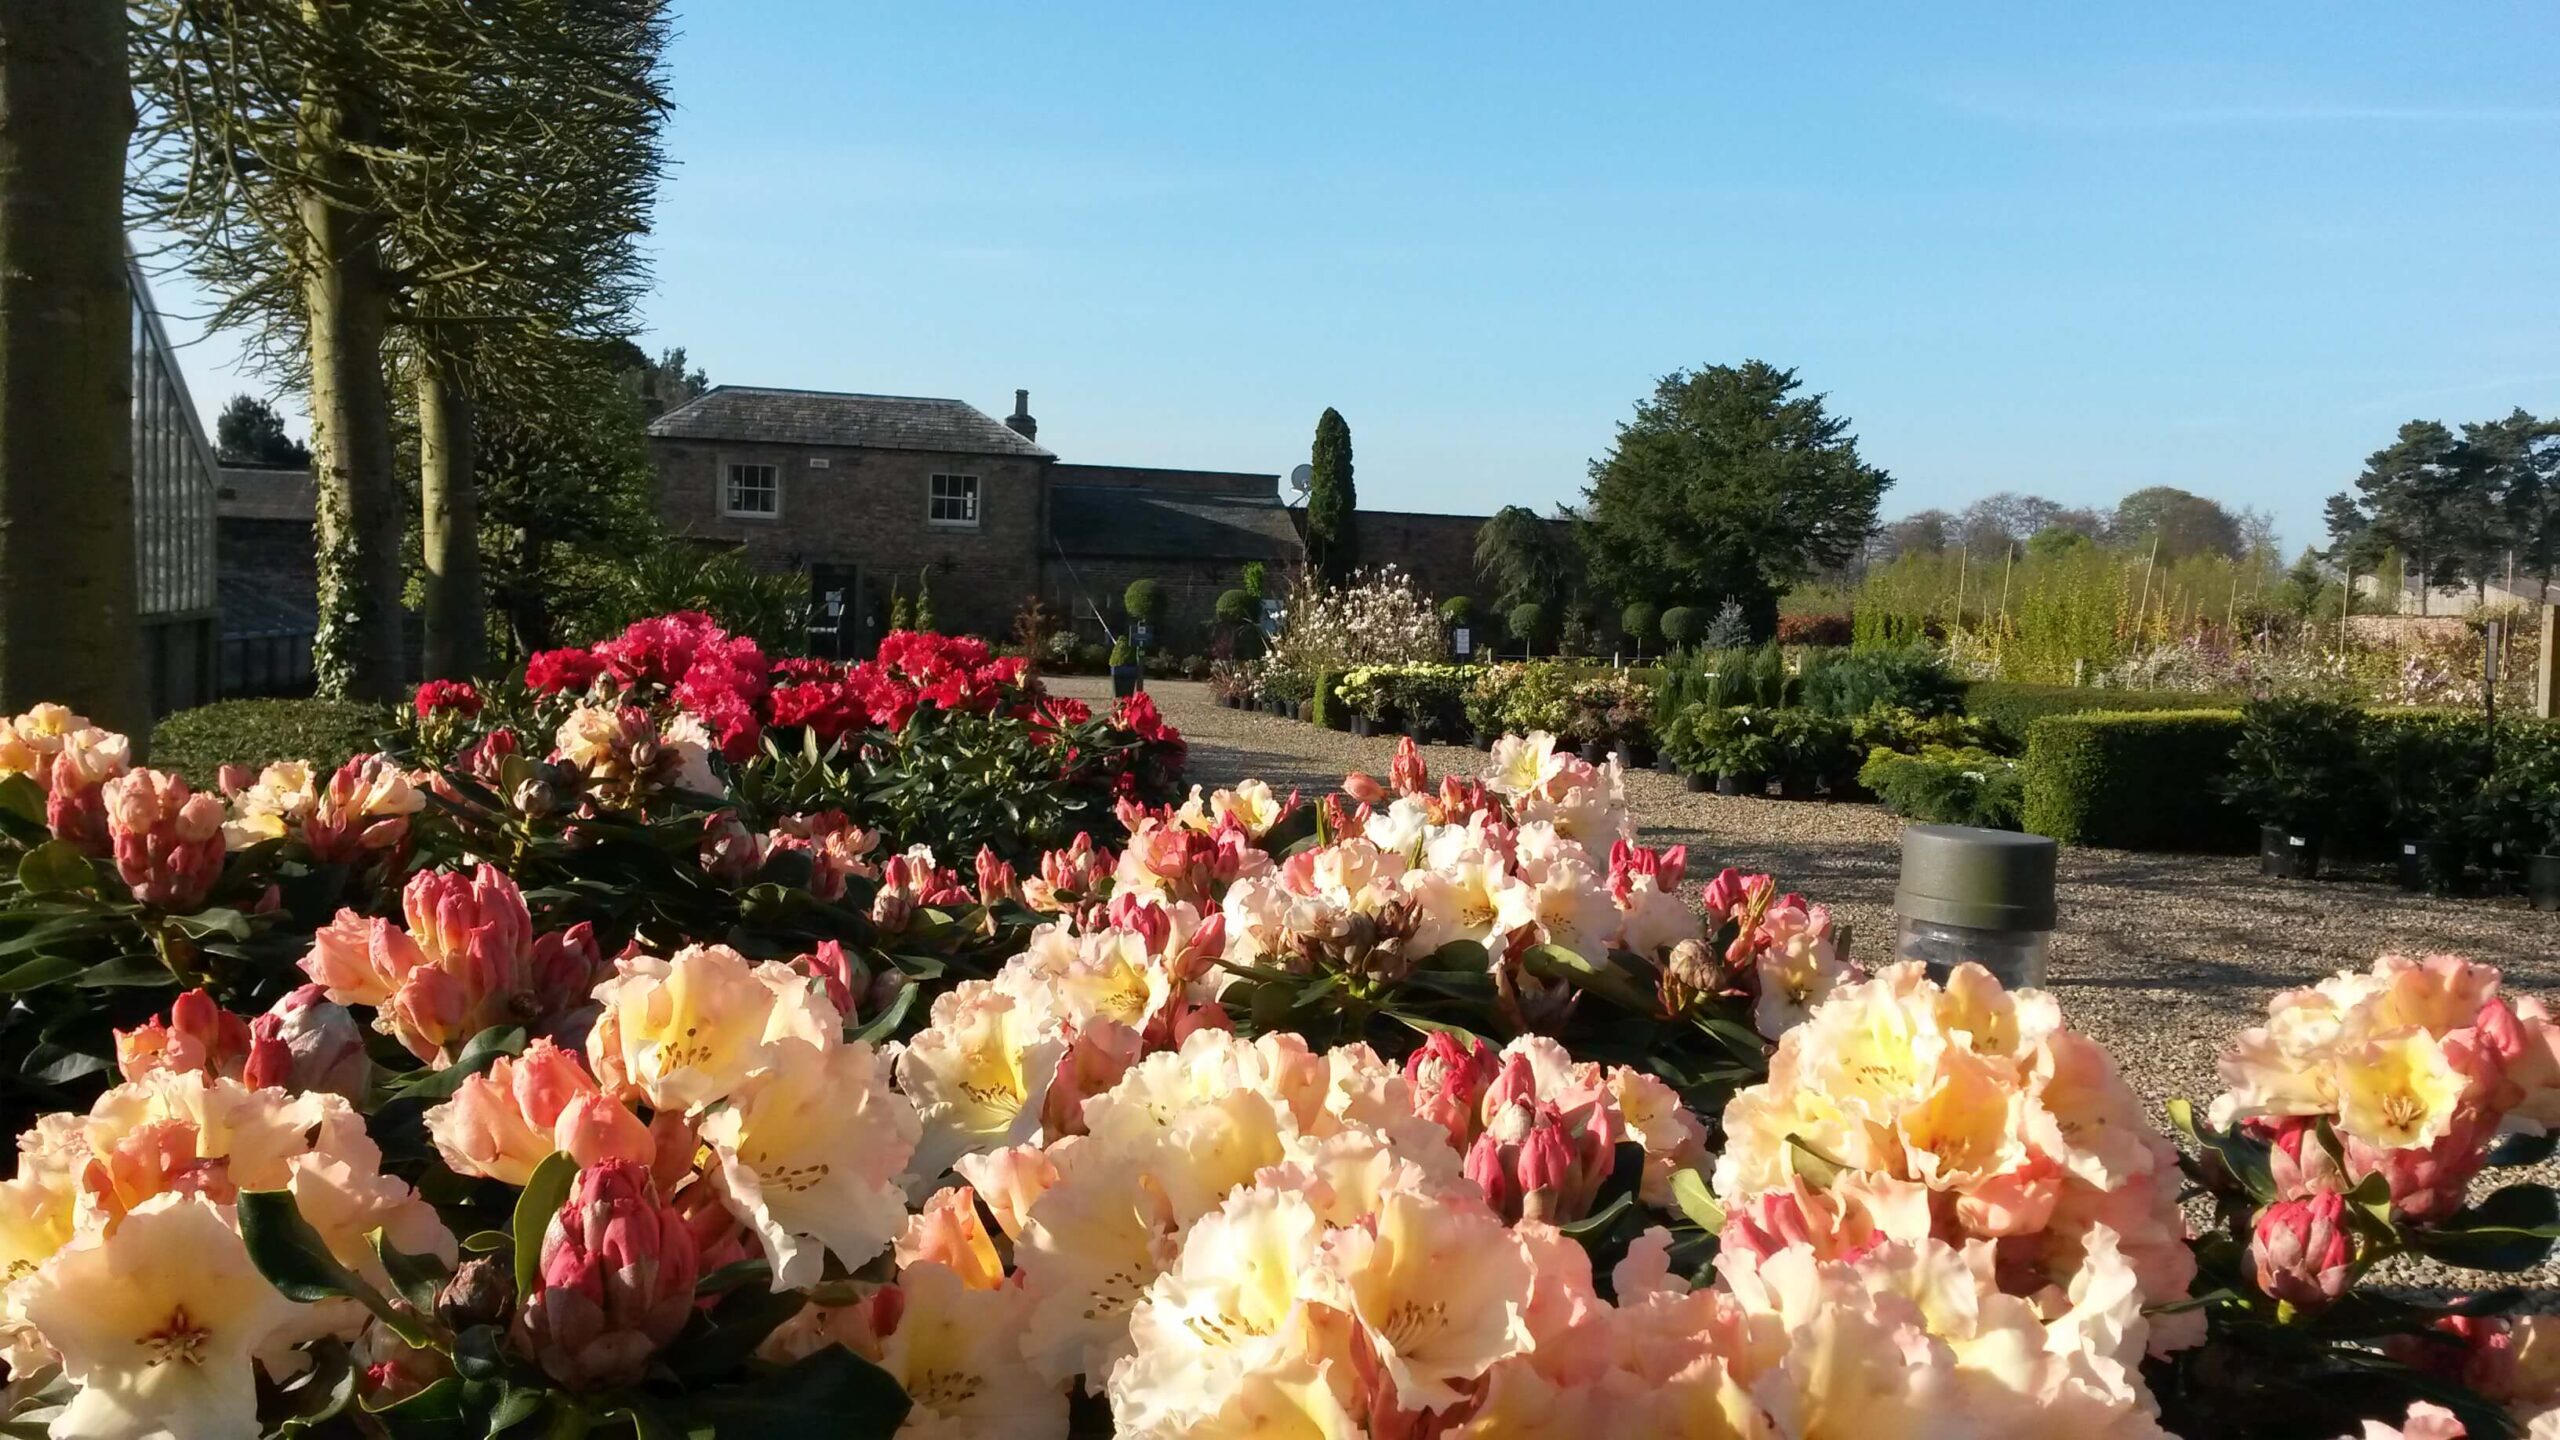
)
(67, 630)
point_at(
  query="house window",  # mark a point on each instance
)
(754, 491)
(955, 501)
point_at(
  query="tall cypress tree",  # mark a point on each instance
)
(67, 627)
(1333, 505)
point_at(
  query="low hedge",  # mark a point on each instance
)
(2011, 709)
(1330, 712)
(2134, 780)
(197, 743)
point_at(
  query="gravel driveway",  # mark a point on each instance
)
(2160, 957)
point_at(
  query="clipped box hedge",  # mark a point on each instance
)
(2011, 709)
(197, 743)
(2147, 780)
(1329, 710)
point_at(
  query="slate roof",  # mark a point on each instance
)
(252, 492)
(1115, 521)
(822, 417)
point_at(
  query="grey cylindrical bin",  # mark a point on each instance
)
(1979, 895)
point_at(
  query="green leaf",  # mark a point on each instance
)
(544, 1193)
(720, 1343)
(42, 970)
(206, 924)
(834, 1393)
(2511, 1230)
(1690, 1193)
(516, 1406)
(418, 1278)
(884, 1026)
(1818, 1169)
(449, 1409)
(737, 1273)
(56, 867)
(487, 1242)
(1555, 962)
(1463, 955)
(290, 1253)
(21, 796)
(478, 1054)
(1601, 1219)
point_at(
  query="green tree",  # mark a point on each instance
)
(2182, 523)
(250, 432)
(67, 604)
(567, 505)
(1529, 559)
(2407, 499)
(1728, 482)
(923, 619)
(1333, 503)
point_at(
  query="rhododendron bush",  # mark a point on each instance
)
(632, 1056)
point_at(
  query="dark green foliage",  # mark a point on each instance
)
(2521, 806)
(1910, 679)
(1529, 624)
(1457, 610)
(197, 743)
(2182, 524)
(1333, 502)
(1728, 481)
(1640, 621)
(1529, 558)
(2298, 762)
(1255, 578)
(1812, 747)
(1144, 600)
(1239, 607)
(2135, 781)
(2007, 709)
(250, 432)
(923, 619)
(1940, 786)
(1330, 712)
(1124, 650)
(771, 607)
(1681, 625)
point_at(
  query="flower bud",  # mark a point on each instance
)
(75, 786)
(309, 1043)
(199, 1036)
(1408, 774)
(995, 878)
(481, 1292)
(731, 853)
(1448, 1080)
(166, 840)
(2303, 1251)
(847, 980)
(1360, 785)
(593, 1128)
(618, 1270)
(2301, 1165)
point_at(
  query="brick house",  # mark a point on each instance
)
(866, 493)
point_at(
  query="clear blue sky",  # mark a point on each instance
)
(2024, 247)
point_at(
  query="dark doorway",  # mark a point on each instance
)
(835, 612)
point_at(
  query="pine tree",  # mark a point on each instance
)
(1333, 503)
(67, 603)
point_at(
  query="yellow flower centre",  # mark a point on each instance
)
(178, 1338)
(1410, 1321)
(943, 1390)
(2402, 1110)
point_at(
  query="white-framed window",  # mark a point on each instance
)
(751, 491)
(954, 502)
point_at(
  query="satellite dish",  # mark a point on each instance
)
(1302, 479)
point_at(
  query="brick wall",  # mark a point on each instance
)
(869, 508)
(1439, 551)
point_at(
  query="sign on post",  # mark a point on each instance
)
(1466, 642)
(2546, 686)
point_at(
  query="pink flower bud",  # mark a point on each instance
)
(731, 853)
(1360, 785)
(567, 964)
(166, 840)
(360, 959)
(2301, 1165)
(995, 878)
(1545, 1171)
(75, 786)
(618, 1270)
(307, 1042)
(2303, 1251)
(475, 928)
(845, 978)
(1407, 773)
(1094, 1061)
(1448, 1080)
(593, 1128)
(199, 1036)
(1487, 1167)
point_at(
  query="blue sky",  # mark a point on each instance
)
(2067, 249)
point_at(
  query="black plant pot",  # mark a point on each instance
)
(1733, 785)
(1699, 784)
(1796, 787)
(1639, 755)
(2285, 854)
(2542, 881)
(2414, 861)
(1127, 680)
(1594, 752)
(1360, 725)
(1481, 739)
(1665, 764)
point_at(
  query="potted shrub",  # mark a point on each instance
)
(1128, 677)
(2425, 769)
(2297, 763)
(2521, 807)
(1812, 749)
(1743, 752)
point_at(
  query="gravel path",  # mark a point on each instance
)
(2159, 957)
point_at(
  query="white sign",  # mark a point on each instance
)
(1466, 641)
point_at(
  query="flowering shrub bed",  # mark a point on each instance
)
(1427, 1108)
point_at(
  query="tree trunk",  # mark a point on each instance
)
(358, 652)
(448, 523)
(68, 629)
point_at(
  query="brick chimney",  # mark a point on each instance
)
(1020, 421)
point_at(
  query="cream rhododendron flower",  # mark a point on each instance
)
(1008, 1182)
(948, 1232)
(957, 1353)
(807, 1153)
(1231, 1309)
(2398, 1091)
(156, 1322)
(1437, 1290)
(685, 1032)
(280, 801)
(979, 1072)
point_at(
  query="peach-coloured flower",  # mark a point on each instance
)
(506, 1121)
(75, 788)
(979, 1073)
(1436, 1291)
(1009, 1181)
(2398, 1091)
(362, 812)
(360, 959)
(948, 1232)
(199, 1035)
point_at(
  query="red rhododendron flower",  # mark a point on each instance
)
(448, 697)
(557, 672)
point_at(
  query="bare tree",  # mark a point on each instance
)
(67, 601)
